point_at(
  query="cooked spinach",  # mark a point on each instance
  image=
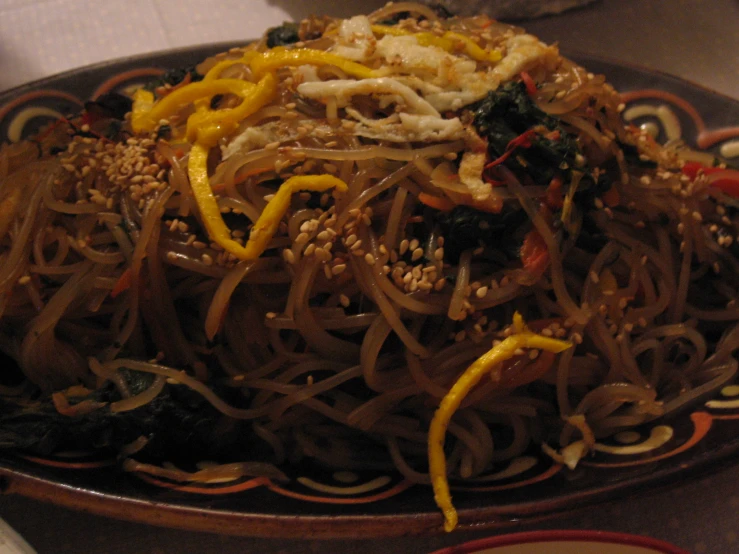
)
(507, 113)
(631, 155)
(465, 227)
(439, 9)
(111, 104)
(285, 34)
(174, 77)
(179, 423)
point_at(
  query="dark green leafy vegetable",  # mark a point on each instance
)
(285, 34)
(507, 113)
(631, 155)
(439, 9)
(174, 77)
(179, 423)
(111, 104)
(465, 227)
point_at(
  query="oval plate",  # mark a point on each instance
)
(318, 503)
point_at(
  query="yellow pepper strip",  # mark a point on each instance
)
(209, 126)
(281, 57)
(168, 106)
(448, 41)
(266, 226)
(523, 338)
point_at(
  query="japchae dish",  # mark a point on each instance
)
(400, 241)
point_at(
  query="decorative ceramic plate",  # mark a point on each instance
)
(319, 503)
(565, 542)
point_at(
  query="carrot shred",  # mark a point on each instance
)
(123, 283)
(437, 202)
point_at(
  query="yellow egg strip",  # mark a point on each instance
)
(448, 42)
(266, 226)
(143, 103)
(523, 338)
(215, 71)
(208, 126)
(281, 57)
(210, 213)
(268, 222)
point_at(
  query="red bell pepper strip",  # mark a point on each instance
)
(529, 82)
(726, 180)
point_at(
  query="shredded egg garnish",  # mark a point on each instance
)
(207, 126)
(521, 338)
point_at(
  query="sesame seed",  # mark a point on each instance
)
(350, 240)
(403, 246)
(271, 315)
(439, 284)
(417, 253)
(598, 203)
(481, 292)
(459, 337)
(344, 300)
(594, 277)
(413, 285)
(533, 354)
(356, 245)
(547, 332)
(206, 259)
(323, 235)
(302, 238)
(24, 280)
(369, 258)
(289, 256)
(413, 244)
(338, 269)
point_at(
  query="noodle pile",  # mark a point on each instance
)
(317, 235)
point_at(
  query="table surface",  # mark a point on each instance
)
(694, 39)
